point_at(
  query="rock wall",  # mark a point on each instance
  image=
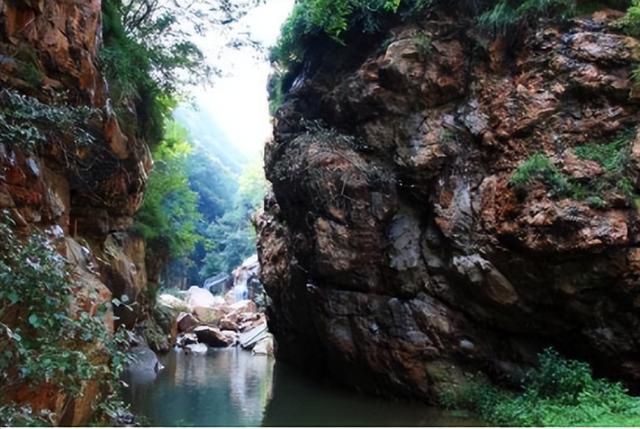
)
(398, 256)
(49, 50)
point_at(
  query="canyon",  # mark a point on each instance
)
(445, 204)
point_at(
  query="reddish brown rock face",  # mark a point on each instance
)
(93, 198)
(397, 254)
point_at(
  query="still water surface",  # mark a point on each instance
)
(231, 387)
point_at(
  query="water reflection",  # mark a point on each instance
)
(233, 388)
(222, 388)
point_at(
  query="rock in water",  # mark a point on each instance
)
(264, 346)
(184, 340)
(143, 364)
(186, 322)
(213, 337)
(250, 338)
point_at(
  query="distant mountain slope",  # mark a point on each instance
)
(205, 132)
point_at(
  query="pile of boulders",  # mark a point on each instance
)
(207, 321)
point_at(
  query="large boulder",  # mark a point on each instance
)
(142, 364)
(213, 337)
(186, 322)
(399, 251)
(210, 315)
(199, 297)
(264, 346)
(170, 301)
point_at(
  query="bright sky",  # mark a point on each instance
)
(238, 101)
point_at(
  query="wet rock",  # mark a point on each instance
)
(155, 337)
(184, 339)
(142, 359)
(228, 324)
(186, 322)
(264, 346)
(213, 337)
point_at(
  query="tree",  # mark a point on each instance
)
(169, 214)
(231, 239)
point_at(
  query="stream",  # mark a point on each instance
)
(230, 387)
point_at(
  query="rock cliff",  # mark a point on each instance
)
(87, 193)
(439, 207)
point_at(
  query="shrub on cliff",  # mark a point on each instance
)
(539, 167)
(613, 157)
(46, 340)
(505, 15)
(630, 23)
(333, 19)
(30, 123)
(559, 392)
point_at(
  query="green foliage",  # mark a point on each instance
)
(28, 66)
(276, 88)
(613, 157)
(43, 337)
(136, 60)
(169, 214)
(26, 121)
(539, 168)
(23, 416)
(232, 238)
(212, 181)
(423, 43)
(559, 392)
(142, 65)
(506, 15)
(332, 18)
(630, 23)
